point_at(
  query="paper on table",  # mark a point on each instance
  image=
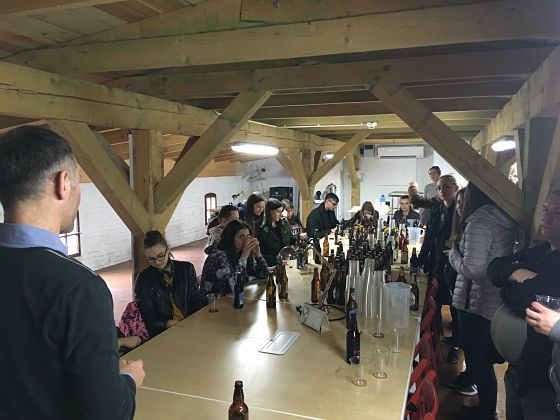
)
(280, 342)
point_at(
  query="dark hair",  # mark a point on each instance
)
(473, 200)
(368, 206)
(226, 211)
(456, 230)
(271, 204)
(404, 197)
(251, 201)
(226, 242)
(153, 238)
(29, 157)
(287, 204)
(435, 168)
(332, 196)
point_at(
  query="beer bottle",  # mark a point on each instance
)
(341, 284)
(404, 253)
(326, 246)
(238, 292)
(317, 246)
(324, 276)
(336, 235)
(283, 285)
(315, 286)
(415, 292)
(401, 277)
(331, 300)
(352, 339)
(238, 410)
(413, 261)
(351, 308)
(270, 292)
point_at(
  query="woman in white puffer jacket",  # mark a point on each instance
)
(486, 233)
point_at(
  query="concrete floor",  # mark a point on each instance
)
(119, 281)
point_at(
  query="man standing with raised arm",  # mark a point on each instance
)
(59, 357)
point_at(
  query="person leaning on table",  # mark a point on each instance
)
(166, 291)
(58, 357)
(238, 252)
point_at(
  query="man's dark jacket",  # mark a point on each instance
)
(153, 295)
(321, 220)
(58, 358)
(536, 355)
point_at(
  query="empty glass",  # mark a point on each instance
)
(397, 336)
(212, 301)
(360, 366)
(379, 359)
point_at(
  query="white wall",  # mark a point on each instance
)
(446, 168)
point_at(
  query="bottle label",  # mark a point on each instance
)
(352, 312)
(241, 298)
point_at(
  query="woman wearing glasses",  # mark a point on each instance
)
(238, 252)
(166, 291)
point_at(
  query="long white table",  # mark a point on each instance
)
(191, 367)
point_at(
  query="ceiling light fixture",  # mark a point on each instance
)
(370, 125)
(254, 149)
(505, 143)
(329, 155)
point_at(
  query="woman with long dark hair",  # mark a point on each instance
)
(166, 291)
(367, 216)
(486, 232)
(275, 232)
(238, 252)
(253, 215)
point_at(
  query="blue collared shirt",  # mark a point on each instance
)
(26, 236)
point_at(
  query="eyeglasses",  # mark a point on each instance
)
(157, 258)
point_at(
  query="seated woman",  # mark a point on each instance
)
(253, 214)
(405, 214)
(275, 232)
(295, 223)
(367, 216)
(238, 252)
(166, 291)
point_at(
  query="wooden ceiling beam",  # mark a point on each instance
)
(453, 148)
(210, 143)
(519, 62)
(376, 108)
(34, 93)
(470, 23)
(46, 6)
(538, 97)
(504, 89)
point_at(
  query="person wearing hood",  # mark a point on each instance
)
(486, 233)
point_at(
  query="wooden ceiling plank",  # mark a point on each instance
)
(210, 143)
(91, 153)
(348, 147)
(46, 6)
(519, 62)
(452, 148)
(469, 23)
(538, 97)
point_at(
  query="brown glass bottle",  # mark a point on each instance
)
(283, 294)
(401, 277)
(324, 276)
(415, 292)
(326, 246)
(315, 286)
(271, 292)
(238, 410)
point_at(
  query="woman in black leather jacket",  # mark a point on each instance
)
(166, 291)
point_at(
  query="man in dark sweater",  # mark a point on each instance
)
(322, 219)
(59, 357)
(529, 272)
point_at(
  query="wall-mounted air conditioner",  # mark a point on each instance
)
(393, 152)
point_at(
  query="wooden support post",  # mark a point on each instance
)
(209, 144)
(317, 159)
(147, 171)
(355, 182)
(305, 187)
(452, 148)
(90, 149)
(549, 181)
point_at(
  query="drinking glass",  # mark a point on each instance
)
(549, 301)
(360, 366)
(212, 301)
(379, 359)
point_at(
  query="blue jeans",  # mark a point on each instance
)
(480, 355)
